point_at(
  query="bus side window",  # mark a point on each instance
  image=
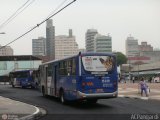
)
(49, 72)
(69, 67)
(63, 68)
(73, 67)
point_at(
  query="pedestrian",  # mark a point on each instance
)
(150, 79)
(133, 79)
(143, 87)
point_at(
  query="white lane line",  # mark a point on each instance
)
(37, 110)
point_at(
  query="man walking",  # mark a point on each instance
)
(144, 87)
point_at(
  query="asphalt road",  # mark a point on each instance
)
(111, 109)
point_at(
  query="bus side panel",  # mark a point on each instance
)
(43, 79)
(69, 84)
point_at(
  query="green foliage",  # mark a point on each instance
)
(121, 58)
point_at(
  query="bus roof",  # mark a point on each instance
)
(82, 54)
(23, 70)
(98, 53)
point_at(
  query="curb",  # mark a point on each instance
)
(36, 115)
(32, 116)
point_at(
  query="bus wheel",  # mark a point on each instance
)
(62, 99)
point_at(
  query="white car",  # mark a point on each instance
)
(156, 79)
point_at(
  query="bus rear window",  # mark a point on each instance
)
(98, 63)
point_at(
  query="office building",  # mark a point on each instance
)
(6, 50)
(102, 43)
(39, 46)
(145, 47)
(89, 39)
(65, 46)
(50, 40)
(132, 47)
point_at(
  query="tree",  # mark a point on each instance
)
(121, 58)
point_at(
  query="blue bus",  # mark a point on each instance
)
(24, 78)
(83, 77)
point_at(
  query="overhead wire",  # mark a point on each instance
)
(39, 24)
(57, 8)
(16, 13)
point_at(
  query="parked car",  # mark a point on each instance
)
(156, 79)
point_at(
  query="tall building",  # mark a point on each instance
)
(65, 46)
(5, 51)
(132, 47)
(89, 39)
(39, 46)
(145, 47)
(102, 43)
(50, 39)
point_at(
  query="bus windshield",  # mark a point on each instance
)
(21, 74)
(98, 63)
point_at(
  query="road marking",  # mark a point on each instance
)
(37, 110)
(144, 98)
(120, 95)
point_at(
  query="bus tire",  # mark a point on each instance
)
(62, 99)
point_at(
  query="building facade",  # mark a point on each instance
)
(65, 46)
(5, 51)
(102, 43)
(39, 46)
(132, 47)
(145, 47)
(89, 39)
(50, 39)
(140, 54)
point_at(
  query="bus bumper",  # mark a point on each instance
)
(97, 95)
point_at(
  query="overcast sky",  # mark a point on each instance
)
(119, 18)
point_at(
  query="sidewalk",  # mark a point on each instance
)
(132, 90)
(15, 110)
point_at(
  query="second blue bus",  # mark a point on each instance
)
(24, 78)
